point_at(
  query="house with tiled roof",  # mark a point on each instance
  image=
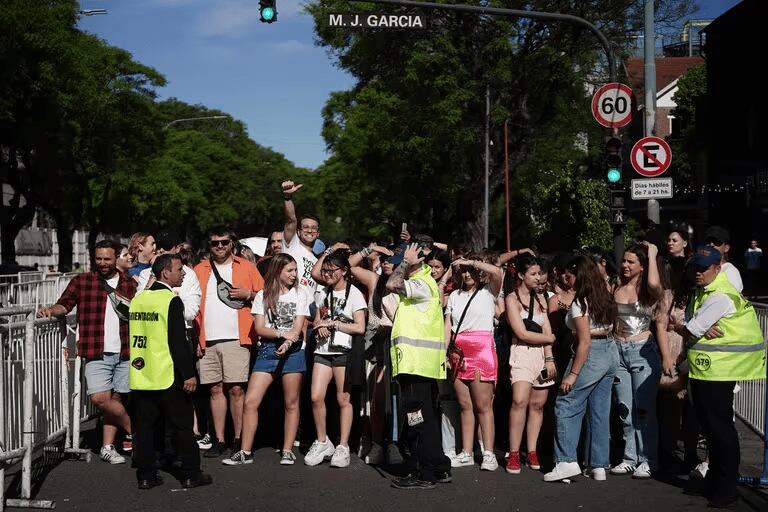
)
(668, 72)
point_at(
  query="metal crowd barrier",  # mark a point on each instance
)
(751, 404)
(41, 407)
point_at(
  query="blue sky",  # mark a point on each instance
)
(218, 53)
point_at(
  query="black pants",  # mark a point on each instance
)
(423, 439)
(713, 402)
(150, 409)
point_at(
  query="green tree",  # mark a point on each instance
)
(687, 145)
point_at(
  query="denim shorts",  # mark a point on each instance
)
(107, 374)
(268, 362)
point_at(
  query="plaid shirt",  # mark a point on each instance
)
(90, 297)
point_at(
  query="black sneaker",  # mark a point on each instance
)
(411, 482)
(149, 483)
(443, 477)
(198, 480)
(218, 450)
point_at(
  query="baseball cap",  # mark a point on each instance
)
(397, 258)
(718, 235)
(705, 256)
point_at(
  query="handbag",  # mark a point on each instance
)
(454, 353)
(222, 290)
(120, 304)
(530, 325)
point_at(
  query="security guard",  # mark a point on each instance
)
(161, 375)
(418, 360)
(725, 345)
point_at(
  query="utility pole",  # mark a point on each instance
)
(649, 125)
(486, 212)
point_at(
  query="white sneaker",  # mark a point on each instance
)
(462, 459)
(204, 442)
(375, 455)
(489, 461)
(597, 474)
(287, 458)
(319, 452)
(624, 468)
(340, 458)
(562, 471)
(238, 458)
(109, 454)
(642, 471)
(451, 454)
(700, 471)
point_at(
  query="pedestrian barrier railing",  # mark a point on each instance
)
(751, 403)
(41, 407)
(40, 292)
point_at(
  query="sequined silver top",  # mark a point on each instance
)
(633, 319)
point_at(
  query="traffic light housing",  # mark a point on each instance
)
(617, 206)
(268, 11)
(613, 160)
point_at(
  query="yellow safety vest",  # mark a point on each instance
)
(151, 363)
(418, 346)
(740, 353)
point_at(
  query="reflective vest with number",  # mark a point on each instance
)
(740, 353)
(418, 346)
(151, 363)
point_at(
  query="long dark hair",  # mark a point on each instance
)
(522, 264)
(591, 293)
(339, 258)
(272, 280)
(645, 295)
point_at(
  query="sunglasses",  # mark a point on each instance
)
(329, 271)
(219, 243)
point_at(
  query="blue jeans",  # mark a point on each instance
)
(593, 388)
(636, 386)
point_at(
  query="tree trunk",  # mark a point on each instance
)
(64, 235)
(8, 232)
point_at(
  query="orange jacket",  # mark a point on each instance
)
(244, 275)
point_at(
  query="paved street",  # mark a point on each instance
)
(265, 485)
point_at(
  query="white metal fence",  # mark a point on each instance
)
(40, 401)
(750, 401)
(32, 288)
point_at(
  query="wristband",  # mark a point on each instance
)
(573, 373)
(549, 359)
(327, 252)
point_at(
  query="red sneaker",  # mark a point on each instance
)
(533, 461)
(513, 463)
(128, 443)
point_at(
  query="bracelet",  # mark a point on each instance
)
(549, 359)
(366, 251)
(327, 252)
(573, 373)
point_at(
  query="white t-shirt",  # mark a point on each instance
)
(480, 314)
(111, 322)
(189, 292)
(343, 311)
(220, 320)
(289, 305)
(305, 261)
(733, 275)
(576, 312)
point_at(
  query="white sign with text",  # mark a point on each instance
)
(652, 188)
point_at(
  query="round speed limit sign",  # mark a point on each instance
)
(612, 105)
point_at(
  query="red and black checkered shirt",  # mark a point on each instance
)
(90, 297)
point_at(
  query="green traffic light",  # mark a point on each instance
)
(267, 13)
(614, 175)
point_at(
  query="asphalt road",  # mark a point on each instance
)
(265, 485)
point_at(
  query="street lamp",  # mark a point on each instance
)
(93, 12)
(190, 119)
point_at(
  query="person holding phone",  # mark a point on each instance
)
(531, 362)
(469, 319)
(280, 311)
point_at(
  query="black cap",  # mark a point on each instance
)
(717, 234)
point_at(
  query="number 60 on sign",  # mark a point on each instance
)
(612, 105)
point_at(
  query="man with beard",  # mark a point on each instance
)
(102, 297)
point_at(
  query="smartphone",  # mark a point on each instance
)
(404, 227)
(544, 374)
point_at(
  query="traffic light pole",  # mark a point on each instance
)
(649, 112)
(517, 13)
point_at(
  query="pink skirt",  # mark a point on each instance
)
(480, 361)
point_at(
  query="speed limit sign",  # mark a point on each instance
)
(612, 105)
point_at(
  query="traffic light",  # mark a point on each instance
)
(617, 208)
(613, 160)
(268, 11)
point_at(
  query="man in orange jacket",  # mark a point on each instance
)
(225, 329)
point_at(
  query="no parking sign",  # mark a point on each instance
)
(651, 156)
